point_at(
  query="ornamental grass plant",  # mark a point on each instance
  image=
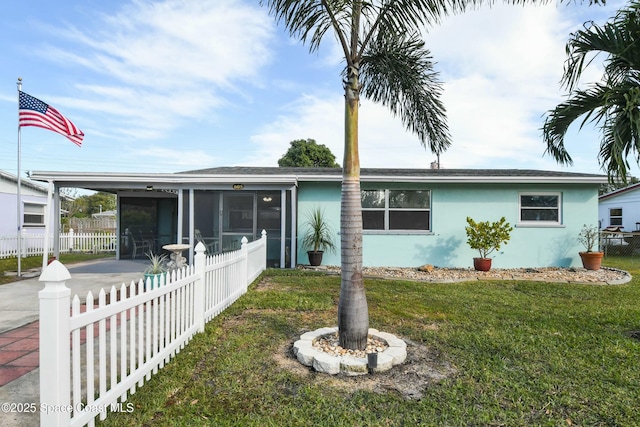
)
(525, 353)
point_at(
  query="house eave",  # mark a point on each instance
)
(168, 180)
(293, 177)
(462, 179)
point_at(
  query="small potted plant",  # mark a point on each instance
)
(589, 235)
(318, 236)
(156, 268)
(487, 237)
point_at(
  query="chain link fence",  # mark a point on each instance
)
(620, 243)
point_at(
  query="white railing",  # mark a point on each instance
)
(122, 341)
(33, 243)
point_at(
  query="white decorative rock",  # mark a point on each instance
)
(326, 363)
(394, 354)
(398, 354)
(301, 344)
(353, 366)
(385, 362)
(306, 356)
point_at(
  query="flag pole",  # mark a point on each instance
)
(19, 195)
(47, 221)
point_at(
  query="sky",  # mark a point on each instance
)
(170, 86)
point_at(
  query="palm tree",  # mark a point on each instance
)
(613, 103)
(385, 61)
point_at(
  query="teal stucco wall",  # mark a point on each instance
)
(445, 245)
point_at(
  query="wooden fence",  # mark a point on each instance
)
(132, 332)
(32, 244)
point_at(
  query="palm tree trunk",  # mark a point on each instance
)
(353, 313)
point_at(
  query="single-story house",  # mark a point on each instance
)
(411, 216)
(33, 201)
(620, 208)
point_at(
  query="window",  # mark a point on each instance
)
(388, 210)
(615, 216)
(33, 215)
(540, 208)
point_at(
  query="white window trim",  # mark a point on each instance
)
(541, 224)
(388, 209)
(24, 212)
(621, 217)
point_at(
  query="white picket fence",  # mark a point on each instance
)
(119, 344)
(32, 244)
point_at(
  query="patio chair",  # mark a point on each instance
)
(140, 245)
(211, 245)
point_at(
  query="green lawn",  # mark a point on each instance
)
(525, 353)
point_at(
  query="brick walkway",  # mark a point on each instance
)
(19, 353)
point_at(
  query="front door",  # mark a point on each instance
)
(238, 219)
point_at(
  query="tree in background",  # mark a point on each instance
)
(616, 185)
(308, 153)
(88, 204)
(613, 103)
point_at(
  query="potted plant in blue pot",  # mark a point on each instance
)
(156, 269)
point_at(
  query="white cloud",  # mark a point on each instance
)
(500, 70)
(161, 62)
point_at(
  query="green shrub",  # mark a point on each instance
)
(487, 236)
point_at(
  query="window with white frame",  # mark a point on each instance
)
(396, 210)
(540, 208)
(33, 215)
(615, 216)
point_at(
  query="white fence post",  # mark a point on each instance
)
(71, 240)
(54, 346)
(245, 262)
(264, 249)
(199, 261)
(23, 243)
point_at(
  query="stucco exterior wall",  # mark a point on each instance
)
(8, 209)
(9, 215)
(445, 245)
(629, 202)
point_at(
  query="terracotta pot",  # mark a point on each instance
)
(315, 258)
(591, 260)
(482, 264)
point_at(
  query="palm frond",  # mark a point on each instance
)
(588, 103)
(618, 39)
(311, 19)
(398, 72)
(621, 132)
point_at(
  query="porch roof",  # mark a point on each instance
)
(410, 175)
(291, 176)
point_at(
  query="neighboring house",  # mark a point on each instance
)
(411, 216)
(620, 208)
(33, 197)
(105, 214)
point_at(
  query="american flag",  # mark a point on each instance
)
(33, 112)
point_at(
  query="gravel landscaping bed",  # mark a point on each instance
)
(428, 273)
